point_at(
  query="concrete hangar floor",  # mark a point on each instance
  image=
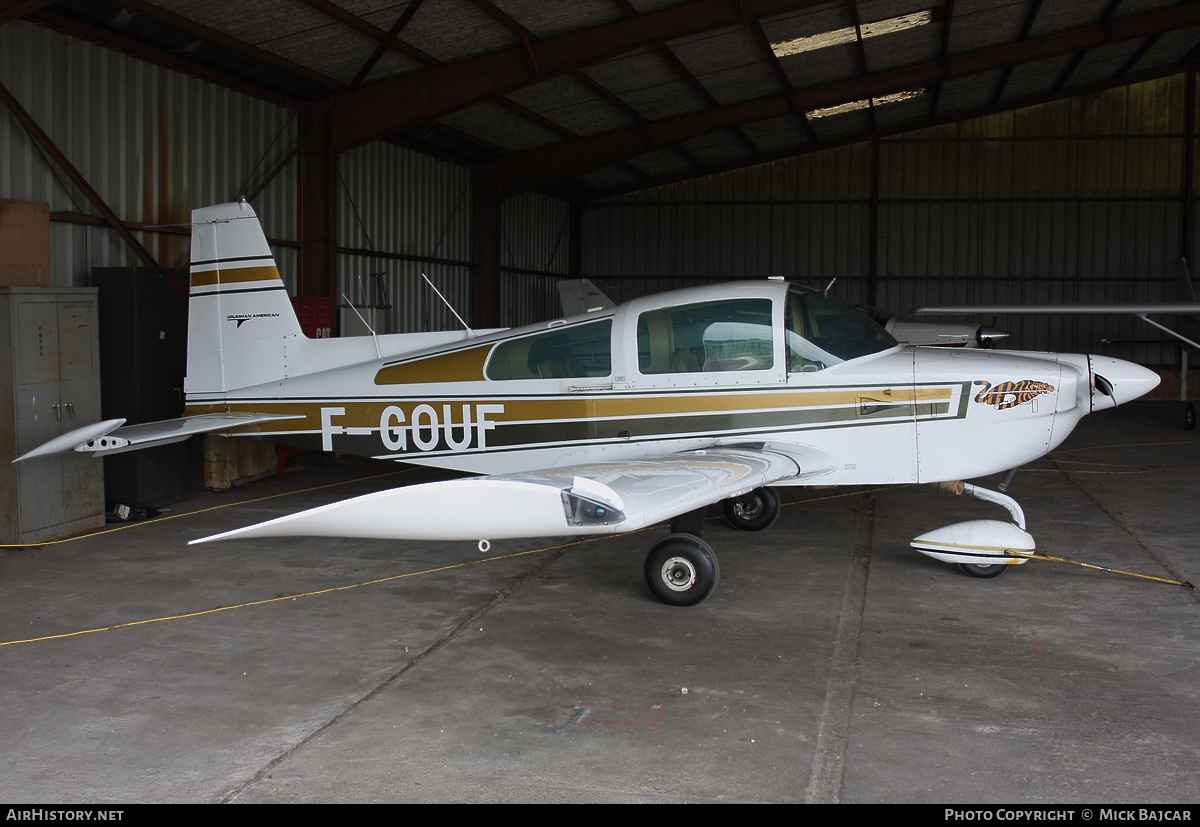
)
(833, 663)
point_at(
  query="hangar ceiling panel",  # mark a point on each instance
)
(456, 30)
(1031, 80)
(716, 149)
(662, 163)
(501, 127)
(776, 134)
(1060, 15)
(978, 24)
(646, 81)
(731, 64)
(544, 19)
(572, 104)
(969, 94)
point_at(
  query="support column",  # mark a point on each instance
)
(575, 242)
(485, 219)
(1187, 187)
(317, 218)
(873, 260)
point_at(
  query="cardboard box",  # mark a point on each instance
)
(24, 244)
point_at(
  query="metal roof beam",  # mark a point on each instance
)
(12, 9)
(536, 168)
(377, 110)
(386, 43)
(387, 39)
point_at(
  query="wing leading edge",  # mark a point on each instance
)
(597, 498)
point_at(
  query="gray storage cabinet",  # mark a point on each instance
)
(49, 384)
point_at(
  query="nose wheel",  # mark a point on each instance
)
(681, 570)
(982, 570)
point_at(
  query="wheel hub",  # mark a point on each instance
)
(678, 574)
(748, 508)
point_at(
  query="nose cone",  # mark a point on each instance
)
(1119, 380)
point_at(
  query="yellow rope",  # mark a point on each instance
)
(1037, 555)
(330, 590)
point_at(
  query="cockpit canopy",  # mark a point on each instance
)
(822, 331)
(715, 334)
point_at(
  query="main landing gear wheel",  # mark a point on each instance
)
(982, 570)
(754, 511)
(681, 570)
(1189, 417)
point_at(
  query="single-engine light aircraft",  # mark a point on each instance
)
(617, 419)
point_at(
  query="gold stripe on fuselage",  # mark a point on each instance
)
(519, 410)
(460, 366)
(207, 278)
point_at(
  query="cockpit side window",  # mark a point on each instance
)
(731, 335)
(821, 331)
(564, 353)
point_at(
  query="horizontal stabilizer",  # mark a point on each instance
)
(109, 437)
(67, 441)
(596, 498)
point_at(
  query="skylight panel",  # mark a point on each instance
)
(882, 100)
(837, 37)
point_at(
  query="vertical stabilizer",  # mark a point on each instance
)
(239, 314)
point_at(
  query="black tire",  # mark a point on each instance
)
(1189, 417)
(982, 570)
(681, 570)
(754, 511)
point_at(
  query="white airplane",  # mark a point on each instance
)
(616, 420)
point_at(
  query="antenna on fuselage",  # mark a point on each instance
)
(366, 324)
(830, 285)
(470, 332)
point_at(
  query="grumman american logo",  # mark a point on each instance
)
(1010, 394)
(242, 318)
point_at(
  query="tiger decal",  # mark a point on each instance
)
(1010, 394)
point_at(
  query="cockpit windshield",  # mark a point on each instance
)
(824, 331)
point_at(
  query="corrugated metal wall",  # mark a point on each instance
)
(535, 252)
(415, 211)
(1074, 200)
(153, 143)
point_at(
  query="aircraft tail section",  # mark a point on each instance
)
(240, 318)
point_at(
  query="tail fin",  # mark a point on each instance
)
(239, 314)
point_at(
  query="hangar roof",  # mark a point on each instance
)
(588, 97)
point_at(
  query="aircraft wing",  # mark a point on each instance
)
(113, 436)
(1127, 309)
(1141, 310)
(596, 498)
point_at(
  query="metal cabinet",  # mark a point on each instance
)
(49, 384)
